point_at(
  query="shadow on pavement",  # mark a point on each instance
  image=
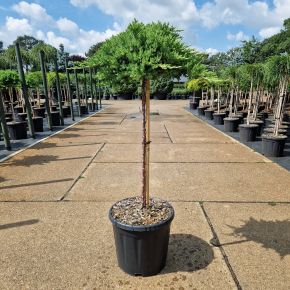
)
(273, 235)
(18, 224)
(35, 183)
(38, 160)
(187, 253)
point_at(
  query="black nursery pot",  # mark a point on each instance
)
(273, 146)
(37, 124)
(125, 96)
(260, 124)
(268, 121)
(193, 105)
(92, 106)
(84, 110)
(219, 118)
(21, 117)
(39, 112)
(196, 100)
(55, 118)
(231, 124)
(53, 108)
(141, 250)
(18, 109)
(160, 96)
(248, 133)
(17, 130)
(200, 110)
(65, 111)
(209, 114)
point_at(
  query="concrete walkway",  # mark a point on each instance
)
(55, 197)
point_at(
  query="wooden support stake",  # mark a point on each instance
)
(44, 79)
(24, 90)
(78, 92)
(4, 124)
(69, 91)
(58, 89)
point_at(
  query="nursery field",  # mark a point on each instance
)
(55, 197)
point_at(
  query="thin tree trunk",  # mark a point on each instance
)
(146, 141)
(250, 103)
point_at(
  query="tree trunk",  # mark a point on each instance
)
(146, 140)
(250, 103)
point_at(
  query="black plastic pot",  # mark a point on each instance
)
(39, 112)
(260, 124)
(84, 110)
(141, 250)
(273, 146)
(219, 118)
(21, 117)
(92, 106)
(125, 96)
(196, 100)
(65, 111)
(209, 113)
(18, 109)
(160, 96)
(244, 113)
(262, 115)
(55, 118)
(53, 108)
(17, 130)
(200, 110)
(268, 121)
(8, 115)
(239, 116)
(231, 124)
(248, 133)
(193, 105)
(38, 124)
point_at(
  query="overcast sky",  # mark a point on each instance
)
(207, 25)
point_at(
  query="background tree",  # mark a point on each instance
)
(93, 49)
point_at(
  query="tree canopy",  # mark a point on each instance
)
(142, 51)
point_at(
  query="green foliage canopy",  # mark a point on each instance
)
(9, 79)
(142, 51)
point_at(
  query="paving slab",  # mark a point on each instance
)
(76, 250)
(213, 153)
(186, 182)
(43, 172)
(256, 239)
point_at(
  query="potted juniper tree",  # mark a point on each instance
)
(141, 224)
(9, 80)
(273, 140)
(248, 131)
